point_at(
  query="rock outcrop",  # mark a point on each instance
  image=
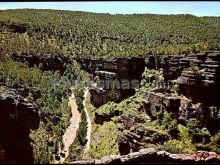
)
(17, 117)
(111, 75)
(199, 72)
(49, 62)
(151, 156)
(134, 133)
(22, 90)
(161, 99)
(125, 68)
(101, 118)
(196, 97)
(198, 80)
(100, 96)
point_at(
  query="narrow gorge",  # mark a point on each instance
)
(70, 133)
(175, 93)
(98, 88)
(173, 86)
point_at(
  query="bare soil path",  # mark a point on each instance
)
(89, 127)
(70, 134)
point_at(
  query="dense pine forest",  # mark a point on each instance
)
(32, 31)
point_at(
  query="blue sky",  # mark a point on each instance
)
(206, 8)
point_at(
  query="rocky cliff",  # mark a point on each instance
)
(196, 74)
(17, 117)
(125, 68)
(151, 156)
(110, 74)
(49, 62)
(188, 92)
(197, 77)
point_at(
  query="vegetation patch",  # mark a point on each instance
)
(75, 33)
(104, 140)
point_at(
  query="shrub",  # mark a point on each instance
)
(174, 146)
(160, 137)
(186, 139)
(197, 133)
(104, 140)
(170, 124)
(215, 143)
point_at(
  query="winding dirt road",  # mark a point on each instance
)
(89, 127)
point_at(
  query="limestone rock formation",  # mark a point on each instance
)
(48, 61)
(17, 117)
(193, 71)
(23, 91)
(125, 68)
(197, 79)
(115, 70)
(151, 156)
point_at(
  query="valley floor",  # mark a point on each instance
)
(70, 134)
(71, 131)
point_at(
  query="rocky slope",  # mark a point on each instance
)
(151, 156)
(187, 92)
(110, 74)
(197, 99)
(17, 117)
(49, 62)
(197, 77)
(181, 67)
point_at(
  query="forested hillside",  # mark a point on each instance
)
(53, 100)
(31, 31)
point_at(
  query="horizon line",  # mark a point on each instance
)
(108, 12)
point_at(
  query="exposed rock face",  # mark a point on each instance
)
(203, 81)
(117, 70)
(198, 99)
(172, 65)
(198, 78)
(151, 156)
(102, 96)
(49, 62)
(175, 67)
(182, 108)
(161, 99)
(17, 117)
(125, 68)
(101, 118)
(24, 91)
(197, 74)
(134, 134)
